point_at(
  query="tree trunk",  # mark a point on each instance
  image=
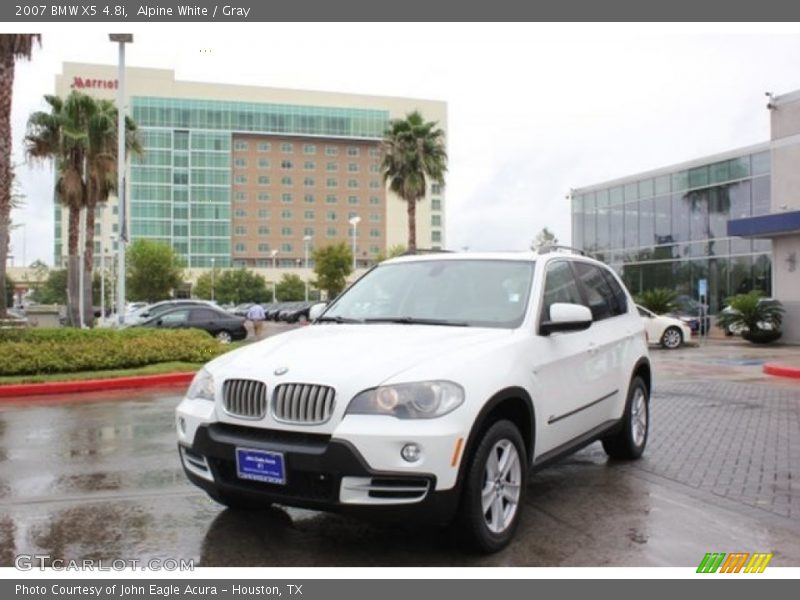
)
(88, 262)
(412, 224)
(6, 88)
(73, 270)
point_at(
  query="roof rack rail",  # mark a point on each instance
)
(424, 251)
(547, 248)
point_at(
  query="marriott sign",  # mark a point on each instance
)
(80, 83)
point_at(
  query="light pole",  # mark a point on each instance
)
(213, 260)
(113, 271)
(103, 287)
(306, 242)
(121, 39)
(274, 253)
(354, 222)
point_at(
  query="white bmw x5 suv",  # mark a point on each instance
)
(432, 386)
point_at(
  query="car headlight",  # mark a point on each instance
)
(420, 400)
(202, 387)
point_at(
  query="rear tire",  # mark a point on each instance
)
(494, 488)
(630, 441)
(672, 338)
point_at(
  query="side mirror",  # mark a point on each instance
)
(316, 310)
(566, 317)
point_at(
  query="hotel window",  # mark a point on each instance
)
(263, 180)
(331, 232)
(352, 199)
(331, 183)
(287, 148)
(374, 184)
(263, 163)
(375, 168)
(263, 213)
(436, 236)
(263, 196)
(374, 200)
(436, 204)
(286, 180)
(180, 160)
(331, 215)
(352, 167)
(374, 249)
(332, 166)
(374, 152)
(263, 230)
(240, 197)
(374, 233)
(286, 247)
(264, 146)
(240, 213)
(436, 220)
(286, 164)
(286, 231)
(353, 151)
(374, 218)
(352, 183)
(331, 151)
(179, 178)
(240, 179)
(309, 215)
(263, 248)
(286, 198)
(351, 215)
(309, 149)
(240, 230)
(286, 214)
(330, 199)
(308, 231)
(240, 145)
(309, 165)
(240, 163)
(308, 182)
(309, 199)
(240, 247)
(436, 188)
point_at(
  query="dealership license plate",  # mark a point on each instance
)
(260, 465)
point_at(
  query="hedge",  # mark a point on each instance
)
(40, 351)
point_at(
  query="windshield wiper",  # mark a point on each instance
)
(338, 319)
(417, 321)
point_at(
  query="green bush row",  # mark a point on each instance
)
(69, 350)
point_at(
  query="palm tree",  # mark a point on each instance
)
(60, 136)
(13, 46)
(414, 156)
(101, 179)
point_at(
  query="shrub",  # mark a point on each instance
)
(759, 318)
(40, 351)
(658, 300)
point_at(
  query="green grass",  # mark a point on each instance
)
(156, 369)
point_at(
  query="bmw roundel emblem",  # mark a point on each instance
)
(281, 371)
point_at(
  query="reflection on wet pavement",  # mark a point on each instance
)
(100, 478)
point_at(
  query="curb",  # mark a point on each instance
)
(782, 371)
(17, 390)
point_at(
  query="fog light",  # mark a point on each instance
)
(410, 453)
(181, 424)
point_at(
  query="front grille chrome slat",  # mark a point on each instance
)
(244, 398)
(303, 403)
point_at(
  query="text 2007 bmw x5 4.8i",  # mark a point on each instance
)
(433, 386)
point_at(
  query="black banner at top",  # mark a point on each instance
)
(127, 11)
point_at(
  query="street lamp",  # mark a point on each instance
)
(274, 253)
(121, 39)
(213, 260)
(306, 242)
(354, 222)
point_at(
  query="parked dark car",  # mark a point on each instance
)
(222, 325)
(298, 313)
(272, 313)
(241, 309)
(153, 310)
(691, 312)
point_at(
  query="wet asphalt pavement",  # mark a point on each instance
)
(98, 476)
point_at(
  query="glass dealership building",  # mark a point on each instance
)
(231, 175)
(667, 228)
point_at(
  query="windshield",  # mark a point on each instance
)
(483, 293)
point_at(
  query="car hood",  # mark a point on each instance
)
(345, 354)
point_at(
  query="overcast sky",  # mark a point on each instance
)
(534, 110)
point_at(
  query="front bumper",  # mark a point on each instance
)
(321, 474)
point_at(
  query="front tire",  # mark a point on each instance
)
(630, 441)
(494, 488)
(224, 337)
(672, 338)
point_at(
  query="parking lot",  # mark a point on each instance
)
(97, 476)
